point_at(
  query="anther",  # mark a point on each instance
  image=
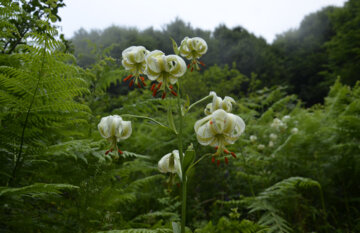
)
(213, 159)
(202, 63)
(120, 152)
(131, 83)
(173, 92)
(171, 87)
(218, 163)
(152, 87)
(127, 78)
(107, 152)
(192, 68)
(154, 92)
(226, 160)
(211, 122)
(233, 155)
(226, 151)
(139, 85)
(163, 95)
(158, 87)
(188, 66)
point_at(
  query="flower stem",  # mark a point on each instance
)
(184, 181)
(199, 101)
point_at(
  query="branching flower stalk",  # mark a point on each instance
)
(218, 129)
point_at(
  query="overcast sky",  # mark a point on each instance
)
(264, 18)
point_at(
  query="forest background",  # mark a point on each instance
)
(55, 175)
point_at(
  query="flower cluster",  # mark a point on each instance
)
(165, 70)
(114, 129)
(220, 128)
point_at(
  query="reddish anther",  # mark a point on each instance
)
(107, 152)
(139, 85)
(226, 151)
(158, 87)
(192, 68)
(233, 155)
(154, 92)
(174, 93)
(188, 66)
(152, 87)
(202, 63)
(163, 95)
(131, 83)
(218, 163)
(216, 147)
(226, 160)
(141, 78)
(211, 122)
(213, 159)
(120, 152)
(143, 82)
(171, 87)
(127, 78)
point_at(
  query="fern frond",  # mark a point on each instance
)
(35, 189)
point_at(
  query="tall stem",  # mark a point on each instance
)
(184, 181)
(19, 158)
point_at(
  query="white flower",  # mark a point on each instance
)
(114, 129)
(219, 103)
(271, 144)
(219, 129)
(133, 59)
(253, 138)
(286, 118)
(294, 130)
(278, 124)
(261, 147)
(193, 48)
(170, 163)
(164, 69)
(273, 136)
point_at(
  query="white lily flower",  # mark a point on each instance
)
(164, 69)
(219, 129)
(114, 129)
(219, 103)
(193, 48)
(133, 59)
(170, 163)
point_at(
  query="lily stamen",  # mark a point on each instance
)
(127, 78)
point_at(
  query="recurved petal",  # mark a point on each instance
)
(126, 130)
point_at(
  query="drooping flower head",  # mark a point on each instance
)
(165, 70)
(114, 129)
(218, 130)
(219, 103)
(193, 49)
(133, 59)
(170, 163)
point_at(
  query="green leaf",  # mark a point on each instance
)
(170, 119)
(175, 47)
(176, 227)
(189, 157)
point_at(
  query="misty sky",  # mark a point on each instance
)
(264, 18)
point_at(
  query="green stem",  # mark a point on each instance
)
(149, 118)
(184, 181)
(199, 101)
(20, 156)
(247, 178)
